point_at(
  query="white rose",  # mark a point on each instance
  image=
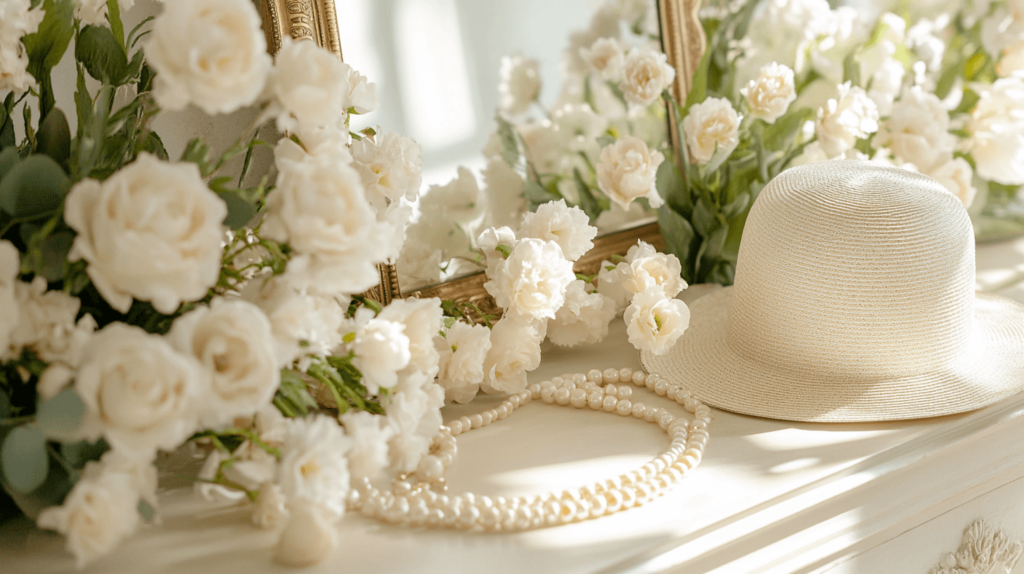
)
(210, 53)
(53, 380)
(583, 319)
(515, 350)
(569, 227)
(462, 350)
(655, 322)
(99, 512)
(646, 268)
(362, 93)
(16, 21)
(520, 84)
(422, 319)
(391, 167)
(302, 324)
(381, 349)
(712, 127)
(581, 127)
(95, 11)
(771, 93)
(311, 87)
(138, 392)
(370, 434)
(531, 282)
(47, 323)
(918, 130)
(270, 511)
(546, 147)
(459, 200)
(606, 58)
(504, 188)
(308, 538)
(313, 466)
(320, 209)
(628, 170)
(611, 283)
(997, 132)
(233, 340)
(844, 120)
(646, 74)
(151, 231)
(956, 175)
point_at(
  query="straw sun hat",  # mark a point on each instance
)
(854, 301)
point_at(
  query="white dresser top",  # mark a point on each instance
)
(748, 505)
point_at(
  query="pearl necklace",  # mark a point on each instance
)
(414, 503)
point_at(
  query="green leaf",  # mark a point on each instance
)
(851, 68)
(704, 218)
(8, 159)
(715, 242)
(54, 138)
(672, 188)
(699, 89)
(61, 416)
(48, 259)
(605, 141)
(507, 136)
(7, 138)
(780, 135)
(47, 45)
(588, 203)
(146, 511)
(948, 78)
(24, 459)
(103, 57)
(678, 236)
(240, 211)
(116, 26)
(34, 186)
(78, 453)
(737, 206)
(153, 144)
(536, 193)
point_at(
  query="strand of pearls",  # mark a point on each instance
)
(413, 502)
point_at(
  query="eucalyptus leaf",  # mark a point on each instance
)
(587, 201)
(8, 159)
(240, 211)
(51, 493)
(507, 137)
(54, 137)
(61, 416)
(78, 453)
(536, 193)
(48, 260)
(36, 185)
(146, 511)
(24, 459)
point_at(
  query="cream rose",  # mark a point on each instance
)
(628, 170)
(210, 53)
(99, 512)
(645, 75)
(47, 323)
(917, 131)
(997, 132)
(515, 350)
(531, 283)
(151, 231)
(770, 95)
(310, 85)
(606, 58)
(569, 227)
(583, 319)
(712, 127)
(520, 84)
(646, 268)
(844, 120)
(139, 393)
(391, 167)
(655, 322)
(16, 20)
(232, 339)
(956, 175)
(462, 350)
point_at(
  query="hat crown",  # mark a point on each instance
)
(854, 270)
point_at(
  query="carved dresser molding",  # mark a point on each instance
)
(984, 550)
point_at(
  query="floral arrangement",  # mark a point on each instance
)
(148, 302)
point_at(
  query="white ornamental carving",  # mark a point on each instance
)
(984, 550)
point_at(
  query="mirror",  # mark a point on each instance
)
(510, 114)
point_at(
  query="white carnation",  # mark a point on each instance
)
(583, 319)
(370, 434)
(531, 282)
(459, 200)
(414, 414)
(770, 95)
(391, 167)
(606, 58)
(520, 84)
(917, 131)
(381, 349)
(314, 468)
(151, 231)
(210, 53)
(569, 227)
(646, 268)
(655, 322)
(997, 132)
(139, 393)
(628, 170)
(956, 174)
(712, 127)
(461, 369)
(845, 119)
(504, 188)
(645, 75)
(515, 350)
(232, 339)
(422, 319)
(611, 281)
(546, 147)
(99, 512)
(320, 209)
(16, 21)
(47, 324)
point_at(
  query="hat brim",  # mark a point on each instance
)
(704, 362)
